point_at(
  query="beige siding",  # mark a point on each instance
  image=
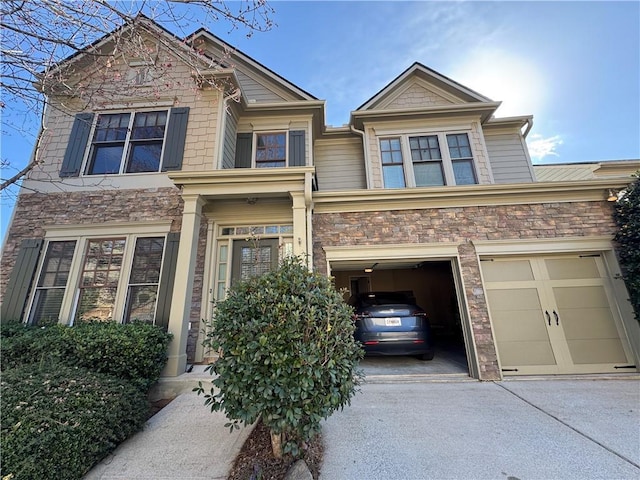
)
(255, 91)
(417, 95)
(340, 165)
(508, 158)
(199, 153)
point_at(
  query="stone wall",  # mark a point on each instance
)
(35, 211)
(463, 226)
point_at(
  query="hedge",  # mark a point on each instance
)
(135, 352)
(58, 421)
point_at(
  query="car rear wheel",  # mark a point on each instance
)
(426, 356)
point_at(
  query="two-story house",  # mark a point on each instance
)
(151, 202)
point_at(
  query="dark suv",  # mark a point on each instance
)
(390, 323)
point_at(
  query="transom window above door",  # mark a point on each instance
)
(127, 143)
(427, 160)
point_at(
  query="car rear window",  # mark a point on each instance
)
(384, 298)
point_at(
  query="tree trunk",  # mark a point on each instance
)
(276, 444)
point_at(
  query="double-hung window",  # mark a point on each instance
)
(421, 160)
(127, 143)
(268, 149)
(271, 150)
(52, 282)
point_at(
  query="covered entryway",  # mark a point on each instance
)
(555, 314)
(434, 285)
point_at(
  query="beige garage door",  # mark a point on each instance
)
(554, 315)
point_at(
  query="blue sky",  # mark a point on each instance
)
(574, 65)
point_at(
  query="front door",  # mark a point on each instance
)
(251, 258)
(554, 315)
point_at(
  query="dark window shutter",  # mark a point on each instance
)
(296, 148)
(165, 290)
(20, 280)
(176, 136)
(243, 150)
(78, 139)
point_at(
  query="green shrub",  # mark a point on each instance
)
(58, 421)
(22, 345)
(135, 352)
(627, 216)
(288, 353)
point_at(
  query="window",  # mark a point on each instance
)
(144, 280)
(127, 143)
(420, 161)
(392, 166)
(461, 159)
(52, 283)
(268, 150)
(271, 150)
(427, 160)
(99, 279)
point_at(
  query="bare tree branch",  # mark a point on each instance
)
(38, 35)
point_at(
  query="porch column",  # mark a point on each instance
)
(299, 224)
(180, 312)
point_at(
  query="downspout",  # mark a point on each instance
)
(365, 148)
(308, 203)
(529, 127)
(223, 123)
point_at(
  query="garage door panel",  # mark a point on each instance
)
(584, 323)
(572, 268)
(518, 325)
(581, 297)
(514, 354)
(514, 299)
(507, 271)
(597, 351)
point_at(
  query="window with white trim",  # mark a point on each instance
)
(52, 283)
(127, 143)
(421, 160)
(99, 278)
(271, 150)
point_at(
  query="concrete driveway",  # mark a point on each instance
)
(516, 429)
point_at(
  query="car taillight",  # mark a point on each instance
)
(371, 342)
(361, 315)
(419, 314)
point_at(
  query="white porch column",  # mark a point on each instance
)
(180, 312)
(299, 224)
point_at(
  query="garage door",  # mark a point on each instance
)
(554, 315)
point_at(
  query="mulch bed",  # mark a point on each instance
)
(256, 461)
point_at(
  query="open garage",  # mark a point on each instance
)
(433, 284)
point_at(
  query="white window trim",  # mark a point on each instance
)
(254, 145)
(127, 145)
(447, 163)
(81, 235)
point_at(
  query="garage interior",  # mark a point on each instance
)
(432, 284)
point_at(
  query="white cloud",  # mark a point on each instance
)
(541, 147)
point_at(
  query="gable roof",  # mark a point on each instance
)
(249, 63)
(439, 81)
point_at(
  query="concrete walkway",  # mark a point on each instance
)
(438, 427)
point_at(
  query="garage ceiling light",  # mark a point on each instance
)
(370, 269)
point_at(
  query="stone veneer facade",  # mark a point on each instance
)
(463, 226)
(33, 212)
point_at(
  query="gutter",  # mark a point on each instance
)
(365, 149)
